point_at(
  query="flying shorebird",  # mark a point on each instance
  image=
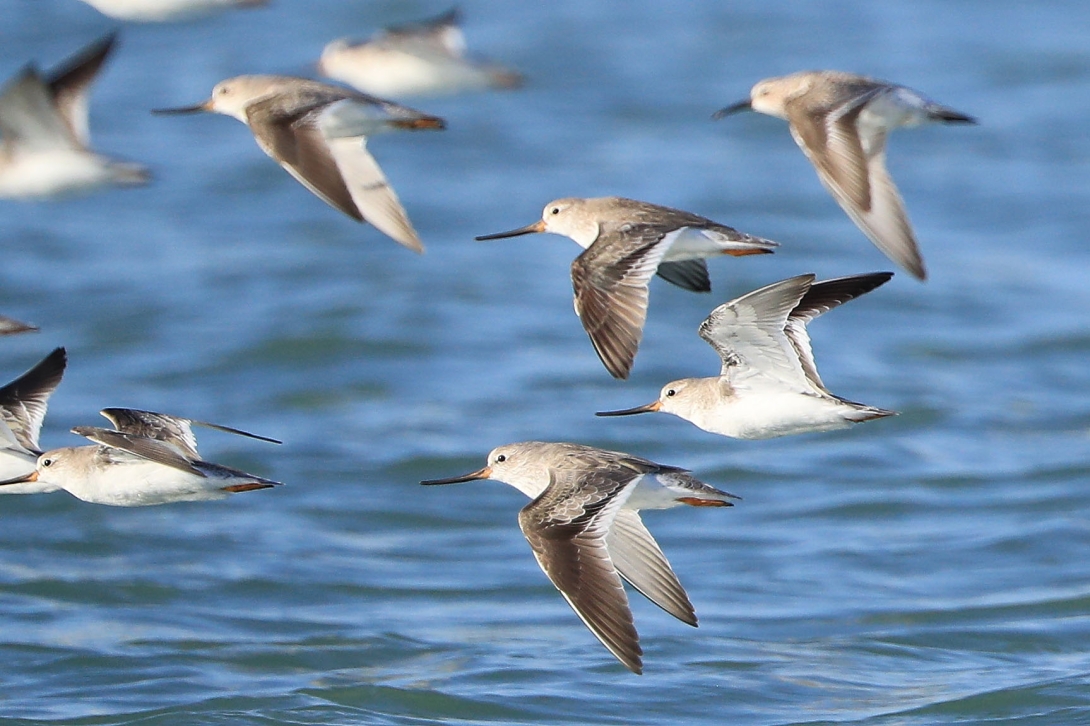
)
(769, 385)
(23, 404)
(45, 149)
(318, 133)
(156, 11)
(149, 458)
(585, 530)
(11, 326)
(841, 120)
(625, 243)
(426, 58)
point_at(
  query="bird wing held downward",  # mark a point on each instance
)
(687, 274)
(372, 195)
(567, 528)
(748, 334)
(638, 558)
(851, 163)
(23, 402)
(611, 279)
(292, 136)
(156, 450)
(820, 298)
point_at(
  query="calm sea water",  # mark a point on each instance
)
(931, 568)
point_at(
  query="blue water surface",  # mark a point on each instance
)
(931, 568)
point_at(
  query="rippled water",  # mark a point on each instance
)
(930, 568)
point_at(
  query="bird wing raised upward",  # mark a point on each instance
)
(23, 402)
(173, 430)
(70, 85)
(29, 120)
(156, 450)
(820, 298)
(293, 138)
(442, 32)
(748, 334)
(638, 558)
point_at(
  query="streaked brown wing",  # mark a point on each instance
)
(567, 527)
(294, 140)
(160, 452)
(24, 400)
(610, 279)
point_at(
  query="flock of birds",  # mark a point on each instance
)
(583, 522)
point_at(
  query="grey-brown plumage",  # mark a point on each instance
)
(841, 122)
(585, 530)
(318, 133)
(625, 243)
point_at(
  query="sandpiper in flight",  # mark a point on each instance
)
(625, 243)
(426, 58)
(151, 458)
(585, 529)
(45, 149)
(841, 120)
(769, 384)
(318, 133)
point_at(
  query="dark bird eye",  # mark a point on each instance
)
(501, 458)
(670, 392)
(555, 210)
(47, 462)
